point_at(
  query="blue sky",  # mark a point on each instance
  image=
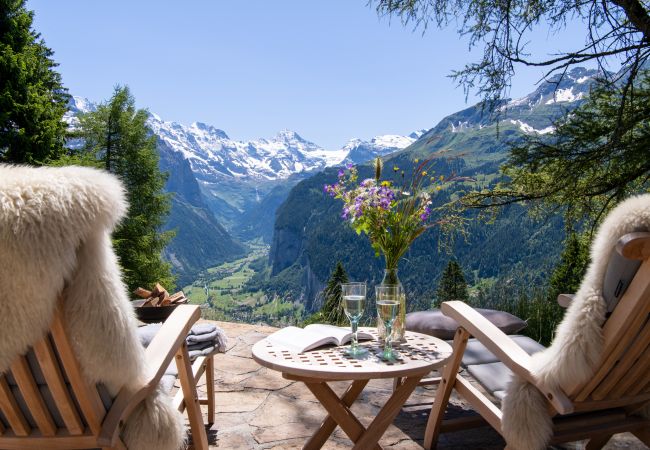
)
(330, 70)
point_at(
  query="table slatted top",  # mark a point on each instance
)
(418, 355)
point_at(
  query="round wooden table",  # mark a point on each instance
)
(415, 358)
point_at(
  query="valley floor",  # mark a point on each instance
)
(221, 291)
(258, 409)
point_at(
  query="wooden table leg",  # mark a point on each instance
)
(329, 424)
(377, 428)
(338, 411)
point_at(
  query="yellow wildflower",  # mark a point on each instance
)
(395, 168)
(424, 173)
(438, 188)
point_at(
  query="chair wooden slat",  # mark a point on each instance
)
(628, 359)
(636, 376)
(32, 395)
(87, 396)
(11, 410)
(620, 330)
(55, 381)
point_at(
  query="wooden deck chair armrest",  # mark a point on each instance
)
(634, 245)
(491, 336)
(508, 352)
(169, 339)
(564, 300)
(159, 355)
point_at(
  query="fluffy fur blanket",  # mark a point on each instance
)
(55, 226)
(577, 347)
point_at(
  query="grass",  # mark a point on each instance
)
(220, 292)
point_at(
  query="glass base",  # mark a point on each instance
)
(356, 352)
(389, 355)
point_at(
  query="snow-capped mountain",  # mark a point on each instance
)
(359, 151)
(532, 113)
(212, 153)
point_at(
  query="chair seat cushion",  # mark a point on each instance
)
(486, 368)
(436, 324)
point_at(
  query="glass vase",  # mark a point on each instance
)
(399, 326)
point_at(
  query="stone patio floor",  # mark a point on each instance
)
(258, 409)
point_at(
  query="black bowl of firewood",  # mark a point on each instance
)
(156, 305)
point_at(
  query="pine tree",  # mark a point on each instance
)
(117, 136)
(452, 284)
(32, 98)
(332, 310)
(568, 273)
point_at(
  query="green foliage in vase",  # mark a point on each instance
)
(452, 285)
(117, 138)
(32, 97)
(392, 216)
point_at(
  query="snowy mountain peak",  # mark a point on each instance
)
(201, 127)
(360, 151)
(417, 134)
(288, 136)
(212, 154)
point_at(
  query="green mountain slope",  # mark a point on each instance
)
(309, 236)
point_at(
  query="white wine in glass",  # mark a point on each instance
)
(387, 310)
(354, 300)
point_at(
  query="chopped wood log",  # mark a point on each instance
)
(159, 296)
(142, 293)
(176, 297)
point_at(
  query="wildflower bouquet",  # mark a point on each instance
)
(392, 216)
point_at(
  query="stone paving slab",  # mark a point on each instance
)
(258, 409)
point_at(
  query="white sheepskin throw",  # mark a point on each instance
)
(55, 226)
(575, 352)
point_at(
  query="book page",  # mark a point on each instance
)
(341, 334)
(298, 340)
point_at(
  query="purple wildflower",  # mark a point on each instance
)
(425, 215)
(341, 173)
(349, 166)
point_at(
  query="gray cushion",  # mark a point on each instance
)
(476, 353)
(435, 323)
(493, 375)
(618, 276)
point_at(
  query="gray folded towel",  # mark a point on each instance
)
(208, 336)
(201, 336)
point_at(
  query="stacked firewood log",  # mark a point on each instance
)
(159, 296)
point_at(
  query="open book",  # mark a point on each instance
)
(300, 340)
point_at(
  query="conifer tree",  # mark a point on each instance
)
(32, 97)
(117, 136)
(568, 273)
(332, 310)
(452, 284)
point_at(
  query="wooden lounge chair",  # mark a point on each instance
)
(73, 372)
(594, 409)
(46, 403)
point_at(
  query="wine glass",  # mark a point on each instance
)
(354, 299)
(388, 296)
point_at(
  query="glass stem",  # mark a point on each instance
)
(388, 350)
(355, 342)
